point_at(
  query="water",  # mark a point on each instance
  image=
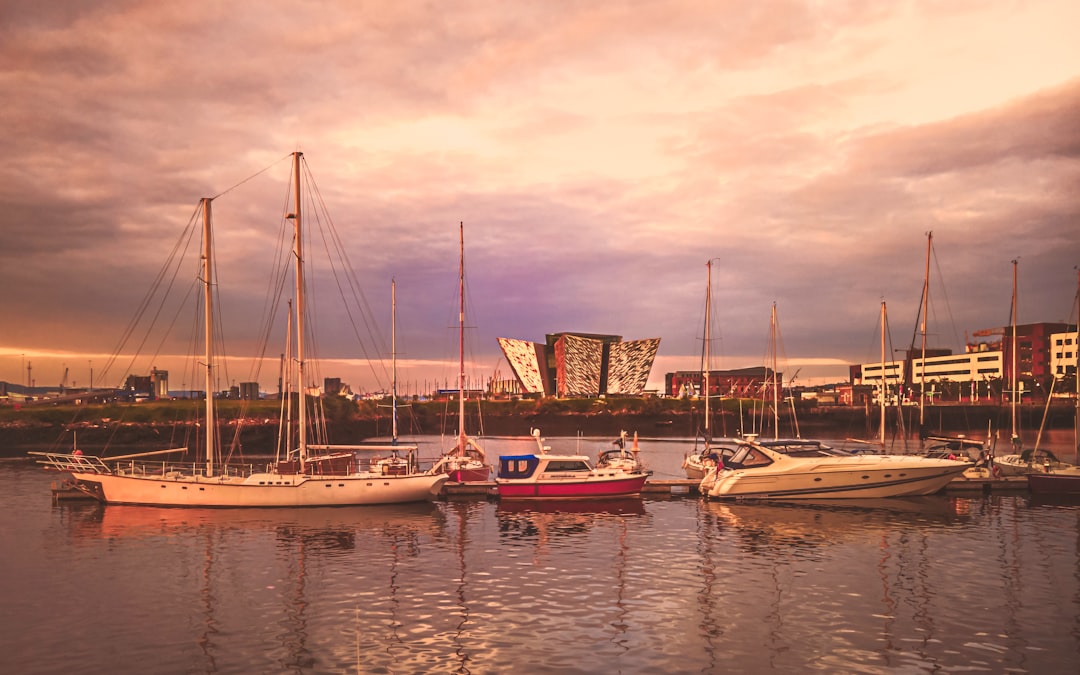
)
(946, 584)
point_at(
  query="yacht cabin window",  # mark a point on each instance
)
(567, 465)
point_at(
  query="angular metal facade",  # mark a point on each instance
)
(629, 364)
(576, 364)
(524, 358)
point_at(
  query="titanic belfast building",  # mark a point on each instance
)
(571, 365)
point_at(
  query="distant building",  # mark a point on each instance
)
(985, 361)
(249, 391)
(1063, 348)
(756, 383)
(333, 386)
(581, 364)
(159, 383)
(1033, 348)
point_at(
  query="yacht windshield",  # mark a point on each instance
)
(747, 456)
(801, 448)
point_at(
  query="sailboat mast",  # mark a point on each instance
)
(461, 342)
(1012, 347)
(393, 358)
(1076, 373)
(922, 329)
(208, 282)
(881, 431)
(299, 254)
(705, 369)
(775, 391)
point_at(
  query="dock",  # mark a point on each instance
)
(690, 488)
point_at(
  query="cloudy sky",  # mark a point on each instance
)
(598, 154)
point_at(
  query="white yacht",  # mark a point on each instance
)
(801, 469)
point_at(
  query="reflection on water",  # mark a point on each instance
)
(780, 528)
(633, 586)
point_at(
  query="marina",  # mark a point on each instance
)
(221, 451)
(658, 583)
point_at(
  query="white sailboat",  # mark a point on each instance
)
(320, 475)
(466, 462)
(700, 462)
(1021, 461)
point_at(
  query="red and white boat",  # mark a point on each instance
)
(543, 475)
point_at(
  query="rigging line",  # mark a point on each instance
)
(270, 315)
(192, 288)
(157, 314)
(221, 363)
(280, 268)
(278, 276)
(324, 230)
(186, 232)
(368, 317)
(252, 176)
(945, 294)
(918, 315)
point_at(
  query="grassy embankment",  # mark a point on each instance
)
(123, 425)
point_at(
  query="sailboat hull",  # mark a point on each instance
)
(481, 475)
(260, 490)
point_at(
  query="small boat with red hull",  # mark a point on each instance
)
(1057, 483)
(543, 475)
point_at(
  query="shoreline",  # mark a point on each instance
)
(27, 431)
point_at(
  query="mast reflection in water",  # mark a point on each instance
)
(634, 586)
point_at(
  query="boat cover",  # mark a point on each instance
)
(517, 466)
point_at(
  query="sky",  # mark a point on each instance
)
(597, 153)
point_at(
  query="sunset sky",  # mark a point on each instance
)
(598, 153)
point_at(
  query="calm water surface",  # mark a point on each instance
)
(939, 584)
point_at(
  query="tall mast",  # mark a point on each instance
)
(208, 281)
(1076, 373)
(299, 254)
(1012, 347)
(705, 369)
(922, 329)
(775, 391)
(461, 343)
(884, 387)
(393, 357)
